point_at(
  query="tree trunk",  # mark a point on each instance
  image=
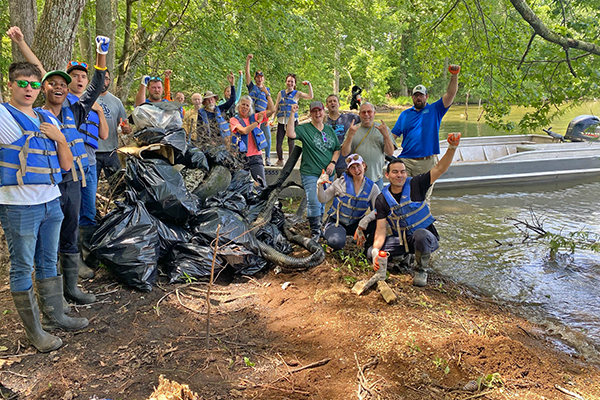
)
(105, 26)
(55, 33)
(23, 13)
(84, 36)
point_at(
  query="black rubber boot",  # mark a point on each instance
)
(421, 263)
(86, 260)
(28, 310)
(50, 291)
(315, 228)
(69, 266)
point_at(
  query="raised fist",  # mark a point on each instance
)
(102, 43)
(145, 80)
(454, 69)
(454, 139)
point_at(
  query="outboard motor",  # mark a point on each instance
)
(582, 128)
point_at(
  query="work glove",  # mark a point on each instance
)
(324, 178)
(453, 140)
(145, 80)
(102, 43)
(375, 256)
(359, 236)
(454, 69)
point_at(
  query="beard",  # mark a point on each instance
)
(105, 88)
(419, 105)
(210, 107)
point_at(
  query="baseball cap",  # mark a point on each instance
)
(316, 104)
(59, 73)
(353, 159)
(419, 89)
(73, 65)
(258, 73)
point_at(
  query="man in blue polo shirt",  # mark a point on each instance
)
(419, 126)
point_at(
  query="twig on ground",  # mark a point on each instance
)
(363, 384)
(16, 355)
(14, 373)
(157, 308)
(570, 393)
(274, 387)
(212, 276)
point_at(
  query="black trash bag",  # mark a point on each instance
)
(253, 210)
(177, 139)
(127, 242)
(271, 235)
(234, 228)
(277, 215)
(242, 260)
(243, 183)
(231, 200)
(170, 235)
(191, 260)
(162, 189)
(193, 158)
(219, 155)
(149, 135)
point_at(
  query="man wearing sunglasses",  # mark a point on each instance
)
(30, 207)
(154, 86)
(371, 140)
(72, 116)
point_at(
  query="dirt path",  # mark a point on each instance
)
(427, 345)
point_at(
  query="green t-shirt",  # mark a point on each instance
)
(317, 148)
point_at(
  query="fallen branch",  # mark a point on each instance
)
(274, 387)
(572, 394)
(16, 355)
(311, 365)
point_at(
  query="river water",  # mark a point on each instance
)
(482, 249)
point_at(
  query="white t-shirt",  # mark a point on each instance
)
(25, 195)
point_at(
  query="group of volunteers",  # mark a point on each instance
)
(51, 158)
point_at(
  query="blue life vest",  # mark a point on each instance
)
(350, 208)
(406, 216)
(259, 98)
(32, 159)
(75, 142)
(90, 128)
(285, 104)
(257, 133)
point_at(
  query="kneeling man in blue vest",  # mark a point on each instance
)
(402, 205)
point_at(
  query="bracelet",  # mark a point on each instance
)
(332, 162)
(101, 69)
(452, 147)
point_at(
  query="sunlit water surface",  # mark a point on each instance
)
(481, 248)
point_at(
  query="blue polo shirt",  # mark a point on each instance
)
(420, 130)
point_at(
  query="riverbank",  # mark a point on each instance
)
(294, 335)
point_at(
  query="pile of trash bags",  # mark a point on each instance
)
(168, 217)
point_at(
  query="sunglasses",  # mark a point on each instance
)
(155, 78)
(77, 64)
(23, 84)
(353, 157)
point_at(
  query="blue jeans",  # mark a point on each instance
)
(267, 131)
(314, 208)
(87, 213)
(32, 236)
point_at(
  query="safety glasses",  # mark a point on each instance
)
(77, 64)
(23, 84)
(353, 157)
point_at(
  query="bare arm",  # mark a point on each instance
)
(448, 97)
(65, 157)
(446, 160)
(290, 130)
(103, 125)
(247, 69)
(388, 144)
(140, 97)
(270, 106)
(379, 239)
(15, 34)
(306, 96)
(347, 145)
(276, 105)
(244, 130)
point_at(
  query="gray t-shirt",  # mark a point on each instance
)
(113, 111)
(371, 150)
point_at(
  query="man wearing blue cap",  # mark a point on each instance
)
(419, 126)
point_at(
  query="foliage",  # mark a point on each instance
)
(441, 364)
(489, 381)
